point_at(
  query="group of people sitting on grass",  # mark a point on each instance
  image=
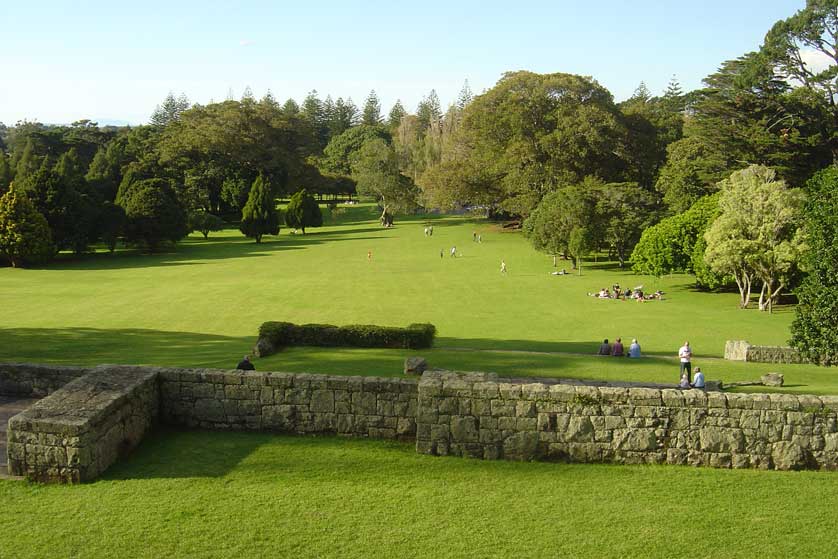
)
(617, 349)
(636, 294)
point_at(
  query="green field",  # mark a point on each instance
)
(258, 495)
(201, 305)
(194, 494)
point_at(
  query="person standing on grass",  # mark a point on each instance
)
(441, 253)
(453, 252)
(502, 266)
(369, 256)
(245, 364)
(698, 381)
(685, 355)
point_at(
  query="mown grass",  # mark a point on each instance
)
(198, 494)
(202, 304)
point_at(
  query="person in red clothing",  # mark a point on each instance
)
(617, 348)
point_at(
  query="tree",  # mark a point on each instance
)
(571, 207)
(624, 211)
(303, 211)
(28, 162)
(788, 46)
(692, 171)
(170, 110)
(669, 245)
(396, 115)
(338, 155)
(111, 226)
(24, 233)
(757, 235)
(371, 114)
(578, 245)
(536, 132)
(814, 331)
(259, 215)
(5, 173)
(203, 221)
(376, 172)
(154, 214)
(464, 97)
(429, 110)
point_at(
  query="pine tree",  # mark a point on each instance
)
(24, 233)
(372, 110)
(303, 211)
(429, 110)
(259, 216)
(465, 96)
(170, 110)
(291, 108)
(28, 162)
(396, 115)
(642, 93)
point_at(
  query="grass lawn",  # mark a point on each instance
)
(201, 305)
(197, 494)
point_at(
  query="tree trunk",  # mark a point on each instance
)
(762, 301)
(743, 282)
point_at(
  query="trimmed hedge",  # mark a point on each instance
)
(275, 335)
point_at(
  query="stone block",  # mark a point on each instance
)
(364, 403)
(715, 439)
(415, 366)
(464, 429)
(772, 379)
(786, 455)
(521, 446)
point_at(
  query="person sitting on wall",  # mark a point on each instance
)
(685, 381)
(245, 364)
(634, 349)
(604, 348)
(617, 349)
(698, 379)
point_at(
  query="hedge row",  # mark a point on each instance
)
(274, 335)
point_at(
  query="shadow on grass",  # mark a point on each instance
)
(85, 346)
(169, 453)
(218, 247)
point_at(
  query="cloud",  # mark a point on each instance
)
(246, 42)
(815, 60)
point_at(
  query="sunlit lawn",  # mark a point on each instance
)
(258, 495)
(201, 305)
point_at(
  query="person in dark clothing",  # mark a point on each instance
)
(245, 364)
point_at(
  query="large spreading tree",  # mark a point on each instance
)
(757, 235)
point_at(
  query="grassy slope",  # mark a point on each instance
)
(201, 305)
(255, 495)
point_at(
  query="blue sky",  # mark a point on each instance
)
(65, 60)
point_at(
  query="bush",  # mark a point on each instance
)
(274, 335)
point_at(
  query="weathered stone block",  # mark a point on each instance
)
(464, 429)
(521, 446)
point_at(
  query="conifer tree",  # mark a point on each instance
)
(24, 233)
(259, 216)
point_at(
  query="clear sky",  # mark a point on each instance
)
(63, 60)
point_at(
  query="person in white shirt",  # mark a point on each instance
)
(698, 380)
(685, 354)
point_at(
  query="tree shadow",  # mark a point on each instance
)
(194, 251)
(91, 346)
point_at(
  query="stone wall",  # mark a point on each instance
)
(35, 381)
(481, 416)
(291, 403)
(741, 350)
(78, 431)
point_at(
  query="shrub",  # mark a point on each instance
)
(274, 335)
